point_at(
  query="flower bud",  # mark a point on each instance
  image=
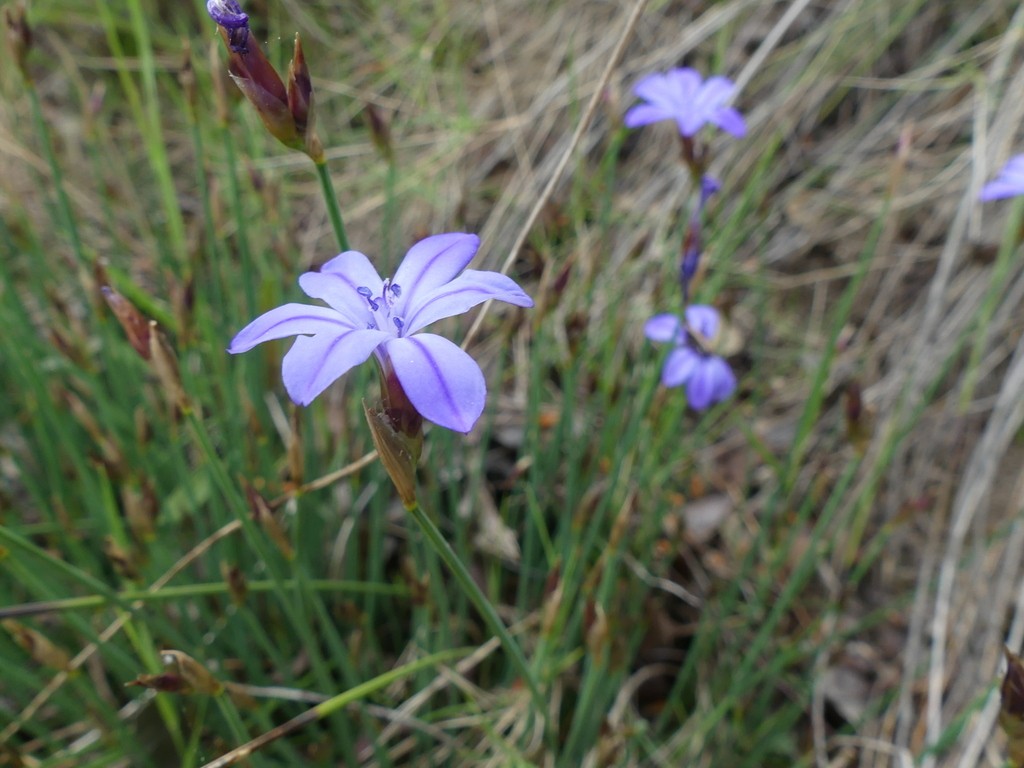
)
(1011, 707)
(134, 324)
(596, 628)
(229, 16)
(165, 365)
(259, 82)
(286, 111)
(141, 508)
(300, 103)
(38, 646)
(182, 674)
(264, 515)
(235, 579)
(165, 682)
(124, 562)
(19, 36)
(857, 427)
(380, 132)
(398, 452)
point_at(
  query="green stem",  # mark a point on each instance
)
(249, 270)
(63, 203)
(477, 597)
(333, 209)
(389, 222)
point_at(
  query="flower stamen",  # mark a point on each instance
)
(367, 294)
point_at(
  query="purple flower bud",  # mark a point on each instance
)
(691, 255)
(228, 14)
(692, 244)
(286, 110)
(709, 186)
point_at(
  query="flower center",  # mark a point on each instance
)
(381, 306)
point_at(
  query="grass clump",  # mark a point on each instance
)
(818, 564)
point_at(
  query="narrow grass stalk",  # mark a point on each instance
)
(196, 590)
(1001, 279)
(333, 209)
(487, 611)
(335, 703)
(249, 269)
(63, 203)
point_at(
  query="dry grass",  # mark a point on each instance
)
(851, 119)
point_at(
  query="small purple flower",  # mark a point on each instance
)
(367, 315)
(681, 95)
(707, 377)
(228, 14)
(1009, 183)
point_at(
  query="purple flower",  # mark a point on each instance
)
(707, 377)
(367, 315)
(1009, 183)
(681, 95)
(228, 14)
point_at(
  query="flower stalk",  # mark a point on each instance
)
(683, 96)
(331, 201)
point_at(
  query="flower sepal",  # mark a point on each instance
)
(398, 451)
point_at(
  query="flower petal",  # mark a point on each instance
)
(656, 88)
(315, 362)
(1000, 189)
(430, 263)
(730, 121)
(289, 320)
(352, 268)
(715, 92)
(645, 114)
(1009, 183)
(711, 382)
(338, 291)
(227, 13)
(662, 328)
(703, 319)
(463, 293)
(680, 365)
(686, 85)
(442, 382)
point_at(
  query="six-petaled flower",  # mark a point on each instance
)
(682, 95)
(1009, 182)
(707, 377)
(368, 315)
